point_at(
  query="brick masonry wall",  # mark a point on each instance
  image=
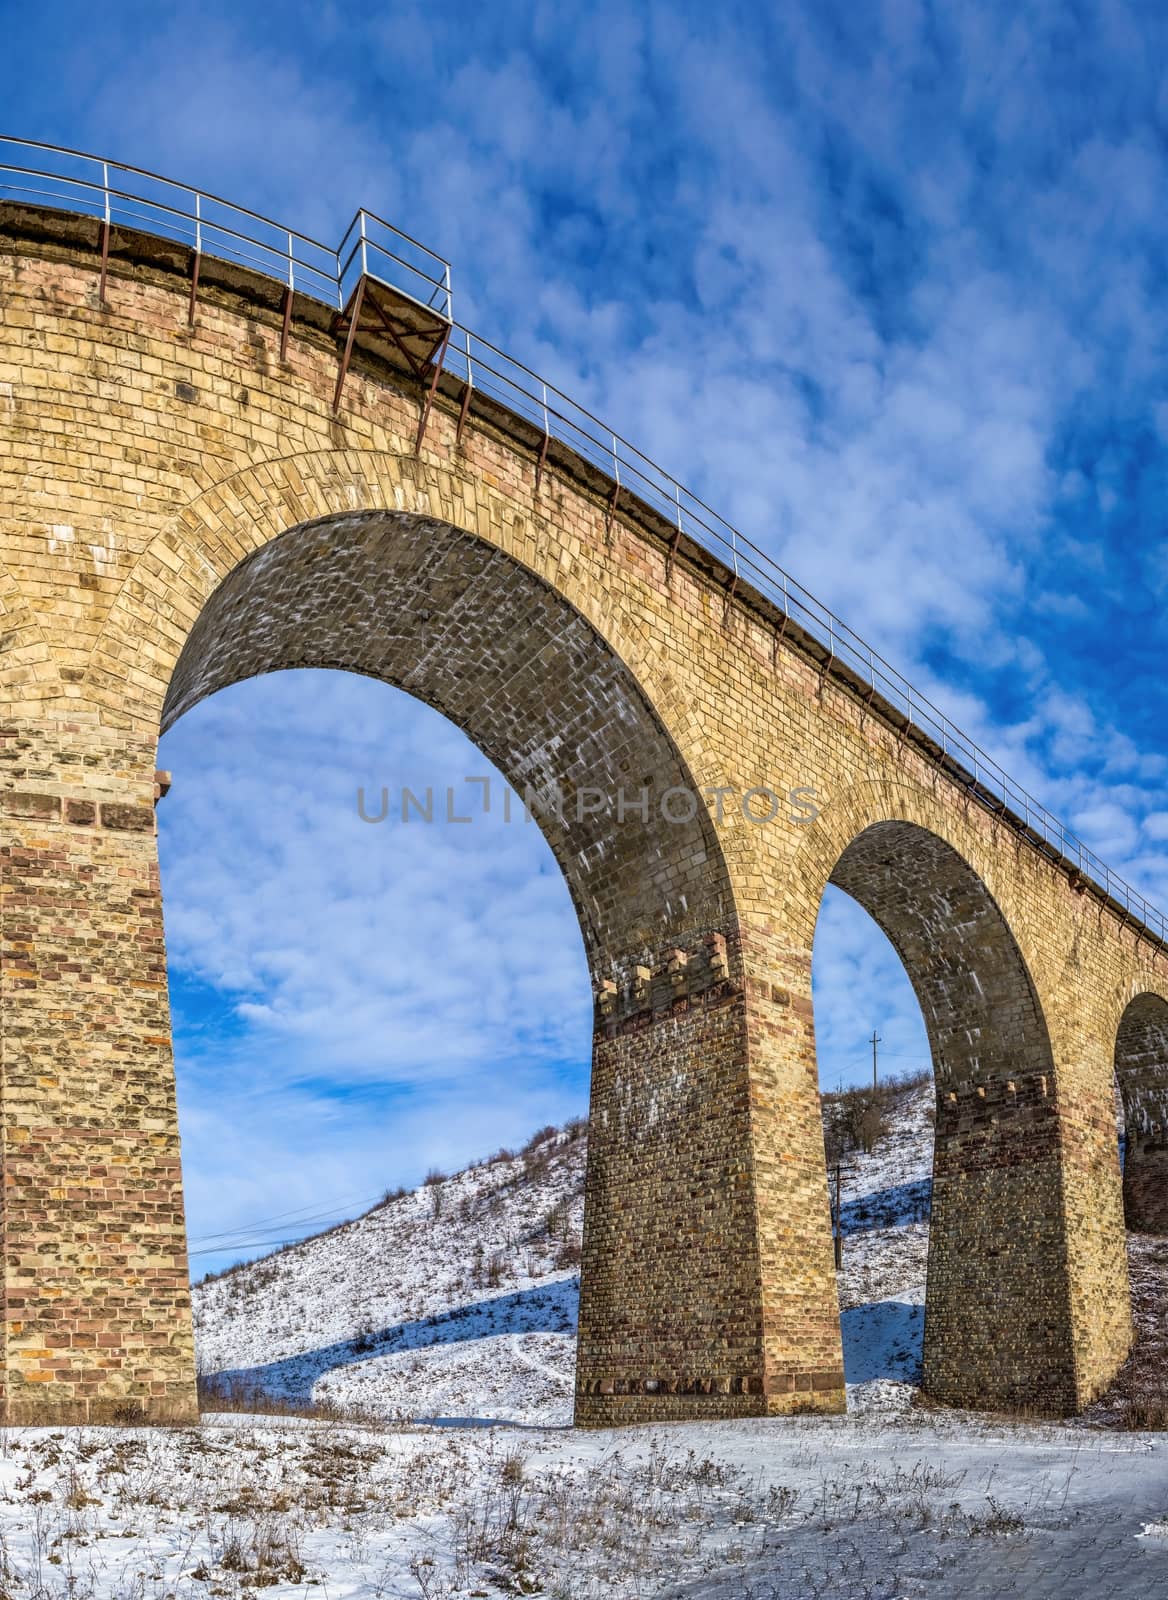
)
(179, 508)
(1140, 1054)
(94, 1248)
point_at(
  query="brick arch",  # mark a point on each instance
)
(962, 959)
(989, 850)
(998, 1296)
(1141, 1069)
(464, 624)
(171, 580)
(466, 628)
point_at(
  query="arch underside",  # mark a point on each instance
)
(998, 1317)
(981, 1012)
(1141, 1069)
(469, 630)
(464, 627)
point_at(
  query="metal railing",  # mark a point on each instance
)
(128, 196)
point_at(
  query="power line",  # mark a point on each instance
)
(246, 1244)
(303, 1214)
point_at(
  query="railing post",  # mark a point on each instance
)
(466, 391)
(105, 231)
(543, 449)
(197, 260)
(614, 498)
(288, 293)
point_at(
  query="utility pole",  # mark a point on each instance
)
(874, 1041)
(838, 1231)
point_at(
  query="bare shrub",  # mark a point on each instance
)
(237, 1396)
(568, 1255)
(1144, 1414)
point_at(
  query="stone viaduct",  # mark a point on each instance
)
(182, 507)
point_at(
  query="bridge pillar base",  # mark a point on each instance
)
(628, 1409)
(1026, 1261)
(1145, 1183)
(94, 1264)
(707, 1286)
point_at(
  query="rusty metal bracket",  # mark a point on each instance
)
(541, 460)
(610, 514)
(354, 318)
(194, 289)
(675, 542)
(286, 329)
(428, 401)
(462, 411)
(416, 367)
(105, 241)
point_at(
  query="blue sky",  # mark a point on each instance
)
(884, 284)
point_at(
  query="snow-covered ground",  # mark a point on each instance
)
(455, 1306)
(790, 1510)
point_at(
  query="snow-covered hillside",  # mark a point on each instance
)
(456, 1300)
(459, 1300)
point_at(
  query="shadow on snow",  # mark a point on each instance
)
(888, 1208)
(882, 1340)
(549, 1308)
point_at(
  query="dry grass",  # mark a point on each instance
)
(234, 1397)
(1138, 1399)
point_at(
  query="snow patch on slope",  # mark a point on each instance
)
(460, 1299)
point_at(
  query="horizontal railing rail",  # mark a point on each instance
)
(129, 196)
